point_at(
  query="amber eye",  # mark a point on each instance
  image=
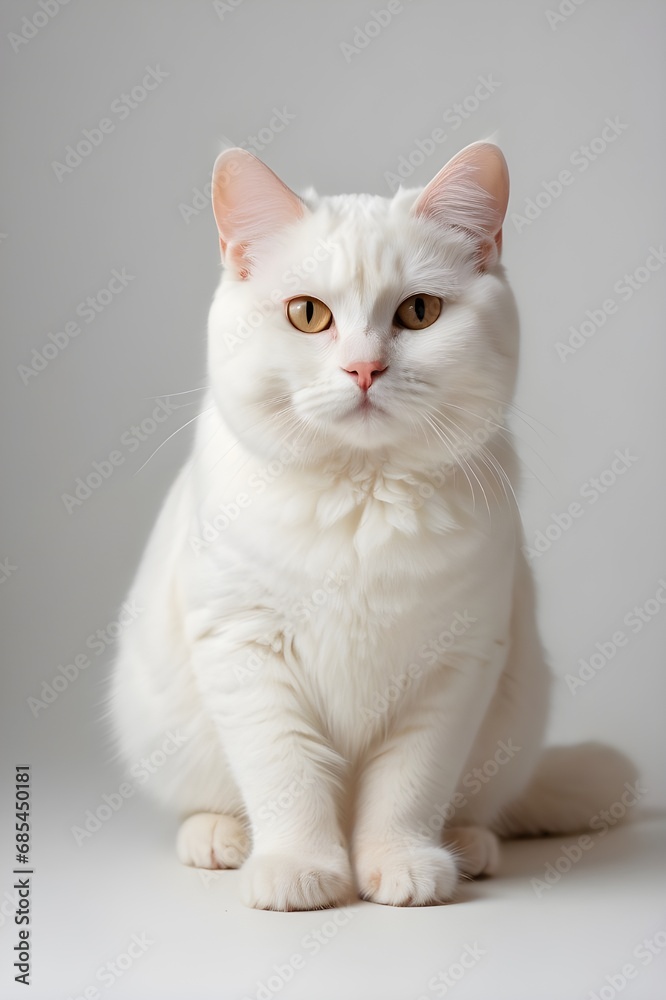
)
(309, 315)
(418, 311)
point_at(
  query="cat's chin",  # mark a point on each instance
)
(358, 437)
(365, 426)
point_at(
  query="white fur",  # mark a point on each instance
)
(297, 645)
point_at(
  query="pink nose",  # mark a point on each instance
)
(365, 371)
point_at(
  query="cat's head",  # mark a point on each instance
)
(361, 324)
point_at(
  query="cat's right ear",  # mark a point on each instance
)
(249, 203)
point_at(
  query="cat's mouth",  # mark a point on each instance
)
(365, 407)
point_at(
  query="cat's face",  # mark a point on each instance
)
(362, 324)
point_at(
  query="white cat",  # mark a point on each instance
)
(335, 609)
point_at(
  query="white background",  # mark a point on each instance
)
(357, 114)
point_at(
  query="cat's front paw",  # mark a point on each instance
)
(296, 881)
(413, 875)
(210, 840)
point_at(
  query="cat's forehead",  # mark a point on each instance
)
(361, 205)
(369, 244)
(364, 218)
(364, 243)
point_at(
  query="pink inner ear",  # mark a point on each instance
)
(250, 202)
(471, 192)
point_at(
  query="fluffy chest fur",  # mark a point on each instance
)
(352, 572)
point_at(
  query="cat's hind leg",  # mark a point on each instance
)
(475, 848)
(212, 840)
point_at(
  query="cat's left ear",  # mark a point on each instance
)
(472, 193)
(250, 202)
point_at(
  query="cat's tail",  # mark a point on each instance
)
(581, 787)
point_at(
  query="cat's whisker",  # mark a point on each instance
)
(466, 464)
(500, 472)
(185, 392)
(178, 429)
(472, 413)
(422, 425)
(499, 428)
(510, 409)
(463, 458)
(510, 406)
(514, 410)
(527, 417)
(472, 445)
(497, 474)
(489, 474)
(506, 436)
(454, 458)
(416, 425)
